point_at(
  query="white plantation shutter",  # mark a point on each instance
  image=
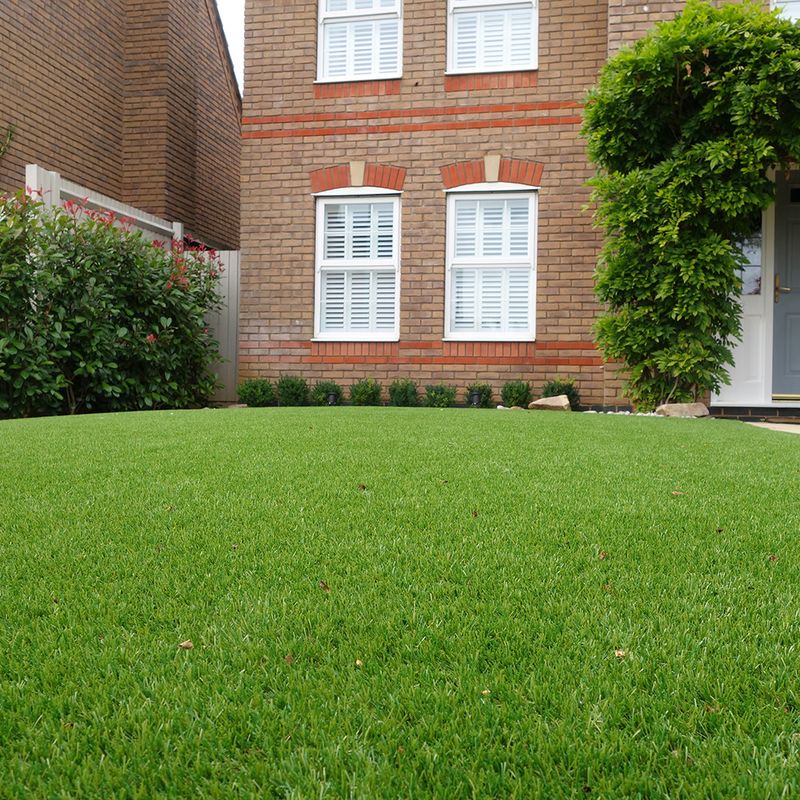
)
(492, 35)
(359, 39)
(788, 9)
(358, 262)
(490, 266)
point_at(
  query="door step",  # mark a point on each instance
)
(789, 415)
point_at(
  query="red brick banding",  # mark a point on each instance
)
(491, 80)
(383, 176)
(516, 170)
(407, 113)
(327, 178)
(356, 89)
(458, 125)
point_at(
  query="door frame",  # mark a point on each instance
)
(761, 395)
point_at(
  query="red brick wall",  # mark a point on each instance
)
(423, 125)
(132, 98)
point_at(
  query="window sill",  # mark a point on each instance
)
(472, 81)
(352, 338)
(357, 88)
(471, 337)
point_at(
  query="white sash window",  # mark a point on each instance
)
(491, 259)
(492, 35)
(358, 247)
(359, 40)
(789, 9)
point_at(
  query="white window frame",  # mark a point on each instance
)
(456, 6)
(790, 10)
(325, 17)
(509, 191)
(337, 197)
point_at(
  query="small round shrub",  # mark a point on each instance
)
(256, 392)
(516, 393)
(403, 392)
(366, 393)
(292, 391)
(485, 394)
(562, 386)
(439, 395)
(324, 389)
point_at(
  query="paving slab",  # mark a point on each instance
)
(776, 426)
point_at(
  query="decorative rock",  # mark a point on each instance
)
(558, 403)
(682, 410)
(517, 408)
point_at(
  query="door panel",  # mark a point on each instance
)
(786, 291)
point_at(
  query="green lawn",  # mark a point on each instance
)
(390, 603)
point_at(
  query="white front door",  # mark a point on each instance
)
(748, 375)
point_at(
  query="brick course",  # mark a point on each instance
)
(132, 98)
(438, 128)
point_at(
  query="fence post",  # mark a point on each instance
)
(38, 180)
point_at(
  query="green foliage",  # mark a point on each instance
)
(256, 392)
(7, 138)
(516, 393)
(485, 392)
(684, 126)
(439, 395)
(403, 392)
(563, 386)
(320, 393)
(95, 318)
(292, 391)
(366, 393)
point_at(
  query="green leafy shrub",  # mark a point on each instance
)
(440, 395)
(366, 393)
(320, 393)
(93, 317)
(562, 386)
(484, 391)
(684, 127)
(256, 392)
(292, 391)
(403, 392)
(516, 393)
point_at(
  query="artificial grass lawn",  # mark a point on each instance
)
(482, 567)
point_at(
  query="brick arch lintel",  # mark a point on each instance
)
(357, 174)
(491, 169)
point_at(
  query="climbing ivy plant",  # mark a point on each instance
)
(6, 139)
(684, 127)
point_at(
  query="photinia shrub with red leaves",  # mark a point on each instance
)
(93, 317)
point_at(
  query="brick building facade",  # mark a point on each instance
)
(136, 100)
(414, 189)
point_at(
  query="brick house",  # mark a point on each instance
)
(414, 192)
(135, 100)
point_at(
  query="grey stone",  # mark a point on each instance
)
(682, 410)
(558, 403)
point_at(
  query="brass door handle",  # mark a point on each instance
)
(780, 289)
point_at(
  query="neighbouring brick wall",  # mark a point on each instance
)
(205, 126)
(62, 87)
(131, 98)
(424, 124)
